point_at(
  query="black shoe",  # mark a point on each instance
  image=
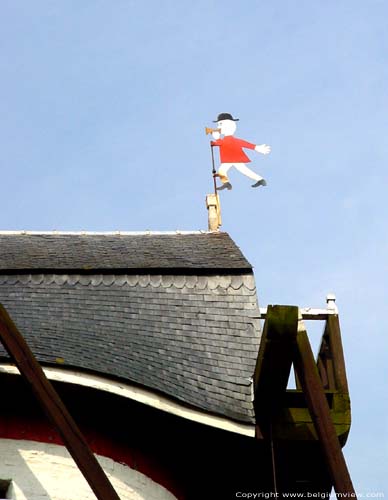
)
(261, 182)
(226, 185)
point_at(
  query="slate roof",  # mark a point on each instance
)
(193, 336)
(150, 251)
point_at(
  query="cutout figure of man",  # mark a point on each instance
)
(231, 151)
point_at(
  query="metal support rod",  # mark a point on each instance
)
(213, 170)
(307, 372)
(72, 437)
(273, 460)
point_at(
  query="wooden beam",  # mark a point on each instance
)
(307, 371)
(331, 362)
(32, 372)
(333, 332)
(274, 360)
(308, 313)
(322, 372)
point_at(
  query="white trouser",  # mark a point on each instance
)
(241, 167)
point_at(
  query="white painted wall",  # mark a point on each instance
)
(42, 471)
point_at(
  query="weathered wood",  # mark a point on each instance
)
(331, 362)
(333, 332)
(274, 360)
(308, 313)
(214, 211)
(297, 381)
(330, 374)
(294, 422)
(32, 372)
(323, 372)
(307, 371)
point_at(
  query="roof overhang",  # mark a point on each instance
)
(140, 395)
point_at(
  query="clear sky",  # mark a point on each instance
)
(103, 108)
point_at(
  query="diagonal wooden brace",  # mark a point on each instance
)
(311, 384)
(32, 372)
(274, 362)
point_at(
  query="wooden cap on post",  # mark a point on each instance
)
(214, 211)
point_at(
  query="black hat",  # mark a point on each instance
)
(225, 116)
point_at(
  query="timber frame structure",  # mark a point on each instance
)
(316, 413)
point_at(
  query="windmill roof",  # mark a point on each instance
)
(175, 313)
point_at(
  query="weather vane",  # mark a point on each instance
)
(231, 152)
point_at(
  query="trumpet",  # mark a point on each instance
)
(209, 130)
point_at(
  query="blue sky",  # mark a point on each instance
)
(103, 110)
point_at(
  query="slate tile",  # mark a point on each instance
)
(167, 338)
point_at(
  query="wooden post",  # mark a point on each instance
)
(274, 360)
(331, 362)
(307, 372)
(334, 334)
(214, 211)
(32, 372)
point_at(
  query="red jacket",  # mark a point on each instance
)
(231, 149)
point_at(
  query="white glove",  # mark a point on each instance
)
(263, 149)
(216, 135)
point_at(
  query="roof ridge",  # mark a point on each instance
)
(102, 233)
(120, 251)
